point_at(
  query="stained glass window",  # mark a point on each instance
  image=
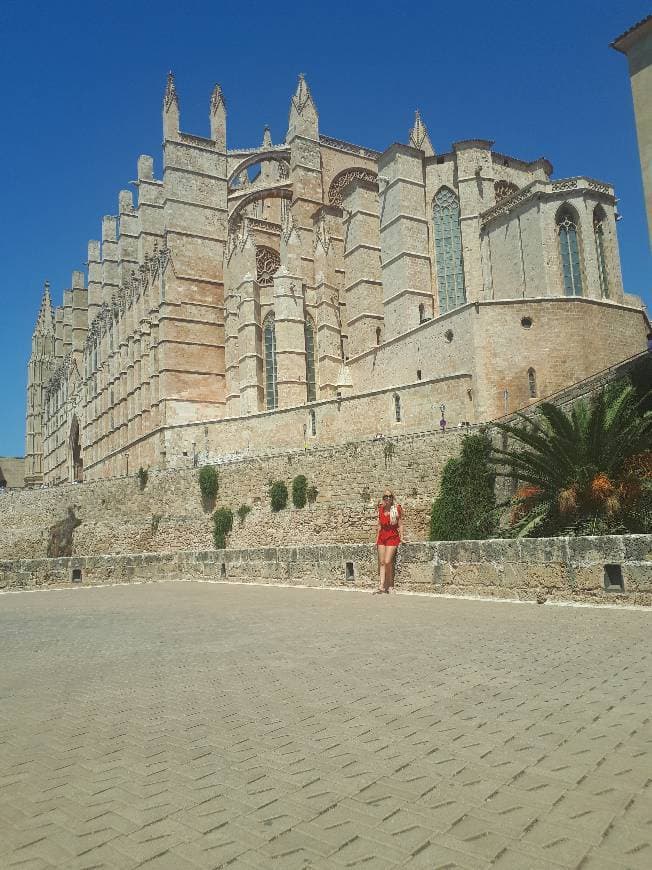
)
(271, 375)
(570, 253)
(532, 383)
(599, 219)
(311, 376)
(448, 250)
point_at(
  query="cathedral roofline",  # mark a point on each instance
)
(637, 31)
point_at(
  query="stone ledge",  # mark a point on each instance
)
(558, 569)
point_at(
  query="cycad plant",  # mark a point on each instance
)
(584, 472)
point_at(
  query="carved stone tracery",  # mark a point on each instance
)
(340, 181)
(267, 262)
(503, 189)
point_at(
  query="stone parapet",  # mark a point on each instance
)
(614, 570)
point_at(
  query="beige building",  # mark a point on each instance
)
(317, 291)
(636, 44)
(12, 472)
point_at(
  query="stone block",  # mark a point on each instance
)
(467, 551)
(594, 551)
(637, 576)
(441, 575)
(638, 548)
(543, 549)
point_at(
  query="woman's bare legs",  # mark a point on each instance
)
(381, 567)
(390, 554)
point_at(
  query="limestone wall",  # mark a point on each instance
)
(555, 569)
(118, 517)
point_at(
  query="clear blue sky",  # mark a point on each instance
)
(82, 85)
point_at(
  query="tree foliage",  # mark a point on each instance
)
(222, 525)
(209, 483)
(465, 507)
(299, 491)
(584, 472)
(278, 495)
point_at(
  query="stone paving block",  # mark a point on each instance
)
(202, 722)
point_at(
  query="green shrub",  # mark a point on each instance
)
(466, 506)
(142, 477)
(222, 525)
(312, 494)
(242, 512)
(278, 494)
(209, 483)
(299, 491)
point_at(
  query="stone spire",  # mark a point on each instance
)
(45, 319)
(171, 95)
(419, 136)
(170, 109)
(217, 115)
(303, 113)
(267, 137)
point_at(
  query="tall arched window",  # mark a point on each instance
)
(397, 407)
(422, 313)
(311, 368)
(532, 383)
(599, 222)
(379, 333)
(448, 250)
(313, 423)
(569, 249)
(271, 376)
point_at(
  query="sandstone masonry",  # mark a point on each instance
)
(317, 291)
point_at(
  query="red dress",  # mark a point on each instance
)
(388, 534)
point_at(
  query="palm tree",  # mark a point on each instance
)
(586, 472)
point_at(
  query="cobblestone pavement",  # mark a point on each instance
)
(206, 725)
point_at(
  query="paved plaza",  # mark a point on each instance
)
(187, 725)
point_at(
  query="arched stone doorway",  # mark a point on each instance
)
(75, 453)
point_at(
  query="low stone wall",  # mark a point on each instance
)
(555, 569)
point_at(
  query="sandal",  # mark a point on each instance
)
(379, 591)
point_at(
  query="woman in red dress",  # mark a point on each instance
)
(390, 534)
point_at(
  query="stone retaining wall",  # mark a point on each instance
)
(556, 569)
(167, 515)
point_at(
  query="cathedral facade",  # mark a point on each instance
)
(316, 292)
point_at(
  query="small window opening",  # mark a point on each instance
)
(222, 570)
(397, 408)
(313, 423)
(613, 578)
(185, 452)
(526, 322)
(422, 313)
(349, 572)
(418, 374)
(76, 575)
(448, 335)
(469, 393)
(440, 160)
(378, 334)
(532, 383)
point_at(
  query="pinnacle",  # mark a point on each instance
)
(419, 135)
(267, 137)
(170, 92)
(217, 98)
(302, 94)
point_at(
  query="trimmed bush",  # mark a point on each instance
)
(209, 483)
(278, 495)
(299, 491)
(466, 506)
(312, 494)
(142, 477)
(242, 512)
(222, 525)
